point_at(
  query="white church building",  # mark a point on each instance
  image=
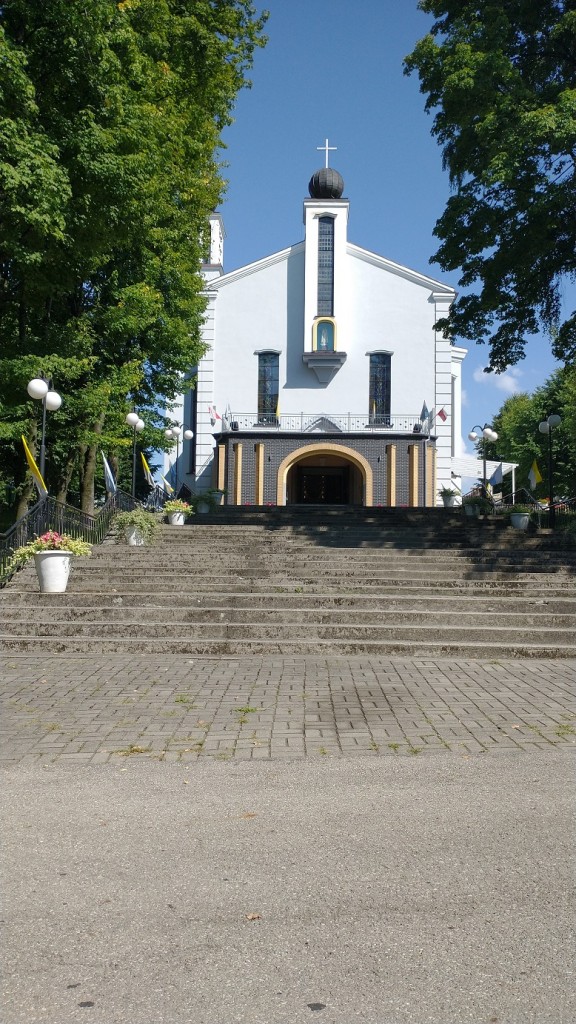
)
(321, 364)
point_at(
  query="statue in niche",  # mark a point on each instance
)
(325, 337)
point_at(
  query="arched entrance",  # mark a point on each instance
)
(324, 474)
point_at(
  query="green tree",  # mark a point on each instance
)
(501, 81)
(520, 441)
(100, 284)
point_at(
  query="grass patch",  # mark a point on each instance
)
(565, 730)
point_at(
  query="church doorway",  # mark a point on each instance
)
(322, 485)
(324, 480)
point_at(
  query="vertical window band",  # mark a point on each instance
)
(268, 386)
(326, 266)
(380, 388)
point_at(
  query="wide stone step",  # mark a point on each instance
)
(197, 586)
(149, 558)
(309, 568)
(325, 648)
(488, 633)
(250, 618)
(473, 601)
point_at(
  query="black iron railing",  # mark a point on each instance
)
(49, 514)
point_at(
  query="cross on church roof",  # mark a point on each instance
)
(327, 149)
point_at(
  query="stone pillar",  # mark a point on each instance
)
(259, 481)
(430, 476)
(391, 475)
(413, 475)
(237, 497)
(221, 467)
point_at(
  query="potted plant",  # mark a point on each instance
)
(177, 511)
(52, 553)
(475, 505)
(207, 501)
(519, 516)
(448, 495)
(136, 527)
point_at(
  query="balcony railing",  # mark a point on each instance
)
(327, 423)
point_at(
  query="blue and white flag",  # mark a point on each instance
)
(497, 476)
(424, 415)
(108, 476)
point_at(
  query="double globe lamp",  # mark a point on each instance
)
(173, 433)
(39, 388)
(486, 434)
(547, 427)
(133, 420)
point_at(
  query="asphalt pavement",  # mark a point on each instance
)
(391, 881)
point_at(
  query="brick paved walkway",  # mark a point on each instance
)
(96, 710)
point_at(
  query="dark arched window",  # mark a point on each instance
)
(268, 386)
(326, 266)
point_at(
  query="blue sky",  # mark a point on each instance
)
(334, 70)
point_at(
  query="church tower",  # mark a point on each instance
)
(325, 286)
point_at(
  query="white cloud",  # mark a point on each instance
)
(509, 381)
(464, 396)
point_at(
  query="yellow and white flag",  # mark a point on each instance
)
(167, 487)
(42, 489)
(147, 471)
(534, 475)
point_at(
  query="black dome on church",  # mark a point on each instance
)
(326, 184)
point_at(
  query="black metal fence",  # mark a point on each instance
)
(49, 514)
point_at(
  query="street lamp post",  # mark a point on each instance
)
(547, 427)
(133, 420)
(486, 434)
(40, 389)
(174, 432)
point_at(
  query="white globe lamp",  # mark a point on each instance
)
(37, 388)
(52, 401)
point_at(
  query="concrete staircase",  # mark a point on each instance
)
(315, 581)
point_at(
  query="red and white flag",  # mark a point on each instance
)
(442, 415)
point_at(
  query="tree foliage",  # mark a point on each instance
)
(500, 78)
(111, 115)
(520, 441)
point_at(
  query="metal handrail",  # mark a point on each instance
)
(326, 422)
(49, 514)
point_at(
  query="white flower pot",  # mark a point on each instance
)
(176, 518)
(449, 500)
(53, 570)
(133, 536)
(520, 520)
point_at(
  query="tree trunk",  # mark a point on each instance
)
(65, 478)
(23, 500)
(87, 495)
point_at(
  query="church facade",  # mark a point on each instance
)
(321, 366)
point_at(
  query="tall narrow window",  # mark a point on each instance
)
(268, 387)
(379, 399)
(326, 266)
